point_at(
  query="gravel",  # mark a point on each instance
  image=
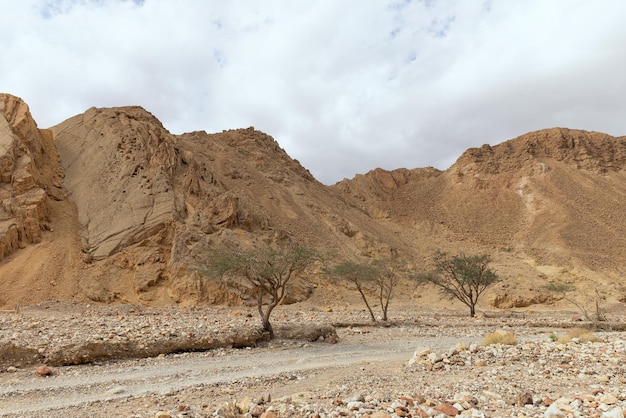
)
(131, 361)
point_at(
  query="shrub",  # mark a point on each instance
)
(500, 337)
(581, 334)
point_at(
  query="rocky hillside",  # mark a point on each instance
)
(109, 206)
(550, 205)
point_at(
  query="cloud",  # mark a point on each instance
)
(344, 87)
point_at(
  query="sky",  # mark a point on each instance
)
(344, 86)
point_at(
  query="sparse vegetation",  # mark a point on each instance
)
(582, 335)
(500, 337)
(461, 277)
(566, 290)
(359, 274)
(268, 270)
(385, 281)
(381, 275)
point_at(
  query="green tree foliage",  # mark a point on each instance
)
(268, 270)
(379, 277)
(461, 277)
(358, 274)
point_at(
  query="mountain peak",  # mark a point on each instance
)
(586, 150)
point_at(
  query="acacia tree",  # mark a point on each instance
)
(385, 281)
(382, 274)
(461, 277)
(268, 270)
(358, 274)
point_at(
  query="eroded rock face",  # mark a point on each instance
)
(118, 165)
(507, 301)
(28, 176)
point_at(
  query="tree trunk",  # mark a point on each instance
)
(367, 304)
(267, 326)
(472, 310)
(265, 316)
(385, 307)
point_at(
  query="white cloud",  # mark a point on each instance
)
(343, 86)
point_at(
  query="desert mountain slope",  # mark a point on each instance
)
(109, 206)
(553, 200)
(149, 203)
(557, 194)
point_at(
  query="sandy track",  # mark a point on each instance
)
(24, 392)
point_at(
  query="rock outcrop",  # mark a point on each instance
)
(119, 167)
(29, 176)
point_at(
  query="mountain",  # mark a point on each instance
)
(109, 206)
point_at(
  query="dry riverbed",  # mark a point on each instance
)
(129, 361)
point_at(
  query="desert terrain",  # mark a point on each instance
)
(133, 361)
(107, 308)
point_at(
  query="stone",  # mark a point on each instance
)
(43, 371)
(162, 414)
(553, 411)
(269, 414)
(447, 409)
(402, 411)
(473, 412)
(116, 390)
(420, 413)
(613, 413)
(256, 410)
(409, 401)
(523, 398)
(227, 410)
(244, 405)
(434, 357)
(11, 369)
(607, 399)
(355, 397)
(355, 405)
(379, 414)
(422, 352)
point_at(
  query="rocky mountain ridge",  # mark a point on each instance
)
(109, 206)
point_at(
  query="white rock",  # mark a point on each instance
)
(421, 352)
(116, 390)
(355, 405)
(613, 413)
(435, 357)
(553, 411)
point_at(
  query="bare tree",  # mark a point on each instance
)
(386, 279)
(461, 277)
(268, 270)
(565, 289)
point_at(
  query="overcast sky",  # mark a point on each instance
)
(344, 86)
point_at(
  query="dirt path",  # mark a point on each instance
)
(25, 392)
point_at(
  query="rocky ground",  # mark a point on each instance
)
(129, 361)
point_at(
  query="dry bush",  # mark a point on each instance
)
(500, 337)
(581, 334)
